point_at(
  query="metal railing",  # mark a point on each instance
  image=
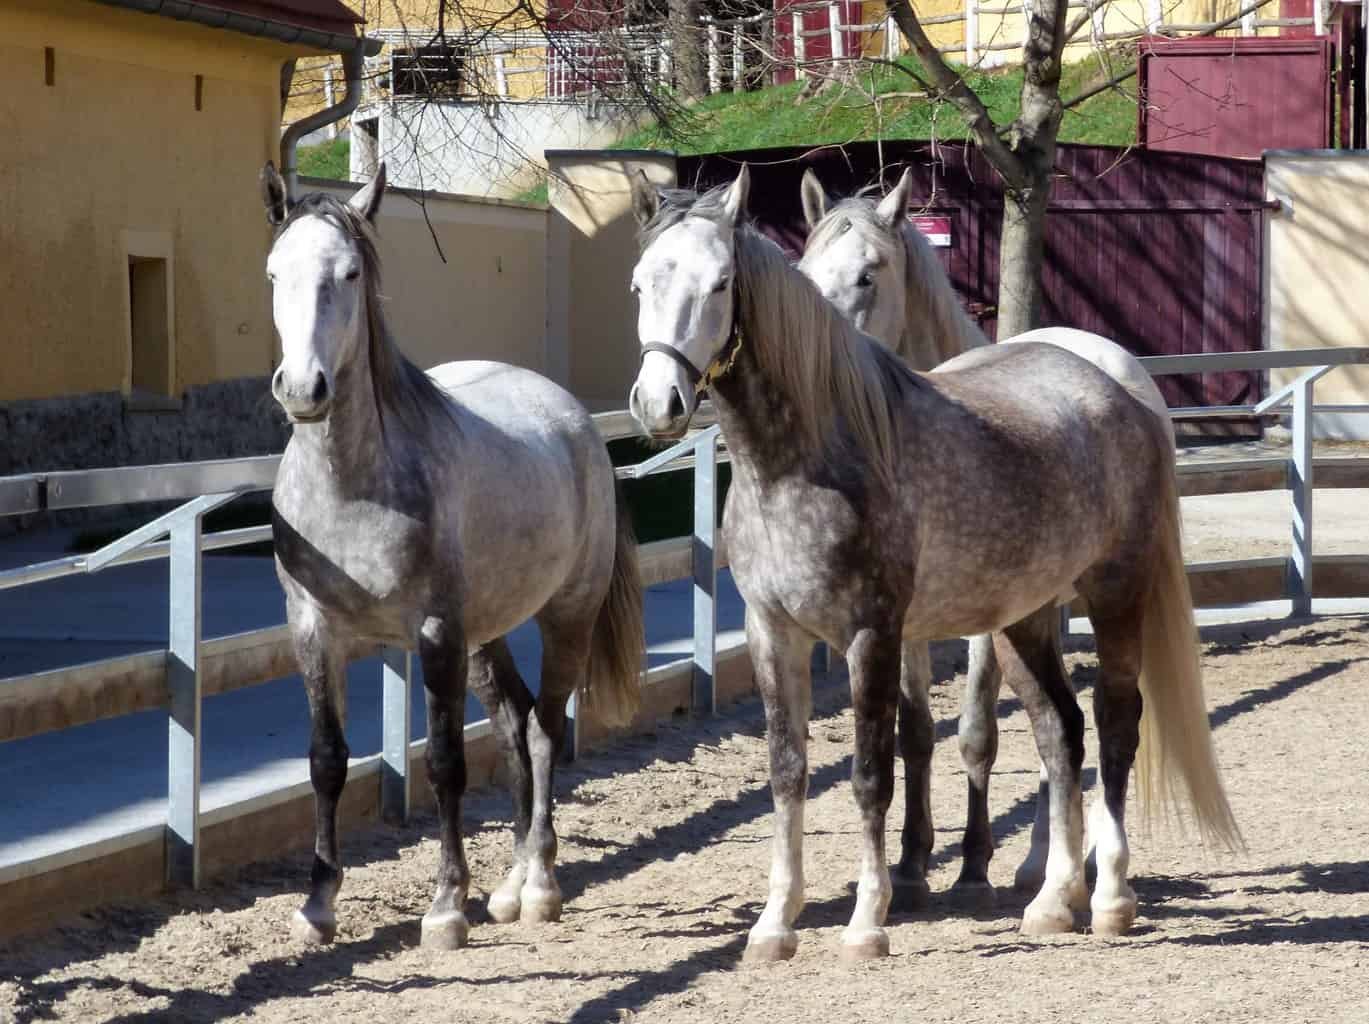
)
(194, 668)
(184, 545)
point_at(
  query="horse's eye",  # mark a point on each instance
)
(721, 285)
(865, 280)
(352, 274)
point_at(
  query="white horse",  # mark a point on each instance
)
(437, 511)
(878, 270)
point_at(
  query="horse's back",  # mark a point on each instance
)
(1108, 356)
(512, 397)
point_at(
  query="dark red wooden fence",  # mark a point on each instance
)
(1159, 251)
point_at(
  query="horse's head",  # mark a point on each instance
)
(684, 285)
(856, 257)
(317, 267)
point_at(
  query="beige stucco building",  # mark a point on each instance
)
(133, 231)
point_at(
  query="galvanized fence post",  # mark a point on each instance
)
(705, 570)
(184, 746)
(396, 785)
(1301, 485)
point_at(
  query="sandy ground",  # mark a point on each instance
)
(663, 861)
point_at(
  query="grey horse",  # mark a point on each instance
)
(878, 270)
(436, 511)
(872, 506)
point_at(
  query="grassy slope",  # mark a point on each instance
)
(326, 160)
(772, 117)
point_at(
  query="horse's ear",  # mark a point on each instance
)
(273, 194)
(893, 207)
(815, 200)
(367, 200)
(737, 192)
(645, 199)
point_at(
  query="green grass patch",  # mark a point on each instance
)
(882, 107)
(331, 160)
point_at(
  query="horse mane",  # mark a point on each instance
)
(839, 381)
(937, 326)
(398, 385)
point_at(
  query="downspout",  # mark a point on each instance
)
(289, 142)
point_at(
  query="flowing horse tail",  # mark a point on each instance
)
(1175, 763)
(618, 646)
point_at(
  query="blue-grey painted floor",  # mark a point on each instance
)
(99, 780)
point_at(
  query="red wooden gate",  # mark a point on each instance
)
(1158, 251)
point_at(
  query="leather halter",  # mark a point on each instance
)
(720, 364)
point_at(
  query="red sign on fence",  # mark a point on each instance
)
(934, 227)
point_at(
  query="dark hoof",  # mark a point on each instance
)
(973, 897)
(910, 894)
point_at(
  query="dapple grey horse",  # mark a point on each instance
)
(872, 506)
(437, 511)
(878, 270)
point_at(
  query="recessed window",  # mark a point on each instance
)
(149, 325)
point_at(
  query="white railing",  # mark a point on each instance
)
(179, 677)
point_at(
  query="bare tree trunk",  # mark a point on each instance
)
(686, 49)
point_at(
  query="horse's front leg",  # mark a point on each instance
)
(323, 668)
(873, 658)
(442, 648)
(916, 738)
(780, 653)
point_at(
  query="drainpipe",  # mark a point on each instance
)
(289, 142)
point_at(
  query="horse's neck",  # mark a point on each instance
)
(756, 417)
(937, 327)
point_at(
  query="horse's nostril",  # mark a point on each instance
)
(320, 391)
(677, 406)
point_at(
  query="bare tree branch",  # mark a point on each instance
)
(953, 88)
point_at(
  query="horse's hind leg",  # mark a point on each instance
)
(1117, 715)
(978, 737)
(916, 737)
(1029, 652)
(565, 664)
(323, 670)
(494, 678)
(443, 650)
(873, 658)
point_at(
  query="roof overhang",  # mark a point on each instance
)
(225, 16)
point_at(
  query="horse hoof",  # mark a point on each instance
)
(974, 897)
(502, 907)
(1049, 919)
(540, 906)
(910, 894)
(315, 928)
(771, 947)
(1114, 918)
(446, 930)
(865, 945)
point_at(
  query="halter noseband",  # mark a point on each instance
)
(720, 364)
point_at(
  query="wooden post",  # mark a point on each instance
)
(971, 33)
(834, 33)
(799, 45)
(738, 63)
(715, 72)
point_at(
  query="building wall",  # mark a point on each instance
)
(114, 155)
(592, 248)
(487, 301)
(1317, 271)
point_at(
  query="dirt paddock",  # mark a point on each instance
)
(663, 861)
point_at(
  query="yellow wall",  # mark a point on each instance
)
(488, 301)
(1317, 269)
(115, 150)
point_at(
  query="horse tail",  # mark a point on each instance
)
(1175, 763)
(618, 646)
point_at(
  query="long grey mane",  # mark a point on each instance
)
(937, 326)
(399, 386)
(834, 375)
